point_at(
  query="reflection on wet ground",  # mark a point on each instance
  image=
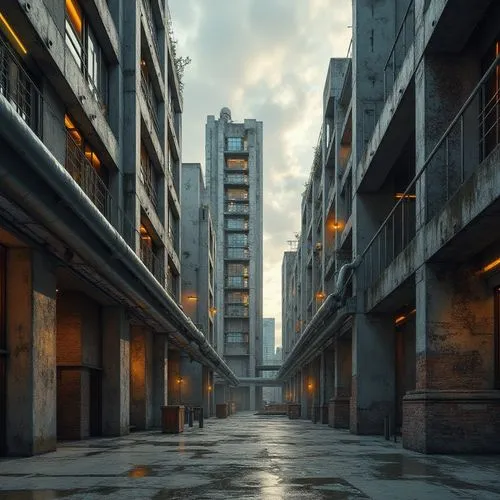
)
(278, 458)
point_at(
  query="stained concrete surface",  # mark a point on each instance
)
(247, 457)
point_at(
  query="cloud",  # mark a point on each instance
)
(265, 60)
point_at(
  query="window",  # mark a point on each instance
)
(149, 177)
(234, 144)
(237, 270)
(237, 240)
(237, 298)
(236, 223)
(237, 194)
(17, 87)
(237, 164)
(84, 47)
(236, 338)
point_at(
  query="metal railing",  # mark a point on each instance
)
(149, 185)
(234, 208)
(152, 108)
(236, 348)
(404, 39)
(237, 253)
(237, 179)
(153, 262)
(470, 137)
(235, 311)
(236, 282)
(19, 89)
(28, 102)
(152, 28)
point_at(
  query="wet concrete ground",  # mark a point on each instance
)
(247, 457)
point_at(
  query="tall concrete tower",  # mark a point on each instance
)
(234, 182)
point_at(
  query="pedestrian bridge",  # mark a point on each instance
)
(259, 381)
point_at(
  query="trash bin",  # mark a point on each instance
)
(172, 419)
(221, 410)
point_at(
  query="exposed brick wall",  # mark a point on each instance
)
(68, 407)
(452, 422)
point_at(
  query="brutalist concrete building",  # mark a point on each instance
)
(90, 326)
(198, 285)
(234, 182)
(392, 299)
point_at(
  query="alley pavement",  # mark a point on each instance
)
(247, 457)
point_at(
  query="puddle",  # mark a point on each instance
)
(140, 471)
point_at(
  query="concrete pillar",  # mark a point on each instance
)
(253, 398)
(31, 366)
(115, 372)
(141, 368)
(160, 376)
(373, 373)
(304, 392)
(453, 408)
(192, 381)
(175, 379)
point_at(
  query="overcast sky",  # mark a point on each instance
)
(264, 59)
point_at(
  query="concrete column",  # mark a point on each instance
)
(455, 365)
(115, 372)
(160, 376)
(329, 383)
(192, 381)
(304, 394)
(373, 373)
(252, 398)
(31, 367)
(141, 368)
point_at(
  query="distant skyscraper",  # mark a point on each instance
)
(268, 343)
(234, 182)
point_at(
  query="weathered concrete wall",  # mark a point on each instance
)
(160, 376)
(31, 337)
(141, 368)
(116, 372)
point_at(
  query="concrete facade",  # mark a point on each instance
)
(234, 178)
(404, 189)
(90, 106)
(198, 281)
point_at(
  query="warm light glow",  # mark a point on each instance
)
(75, 16)
(70, 126)
(399, 196)
(491, 265)
(399, 319)
(309, 386)
(179, 380)
(209, 388)
(335, 225)
(320, 295)
(212, 310)
(13, 34)
(192, 297)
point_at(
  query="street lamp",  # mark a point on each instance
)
(179, 383)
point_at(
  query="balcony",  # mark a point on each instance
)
(236, 179)
(147, 91)
(237, 253)
(151, 25)
(19, 89)
(404, 40)
(471, 136)
(236, 349)
(26, 100)
(236, 282)
(236, 208)
(235, 311)
(149, 185)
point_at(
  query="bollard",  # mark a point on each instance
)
(190, 416)
(200, 418)
(387, 430)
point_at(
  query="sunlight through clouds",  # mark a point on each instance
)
(265, 60)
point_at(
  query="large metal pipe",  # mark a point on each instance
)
(21, 138)
(314, 334)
